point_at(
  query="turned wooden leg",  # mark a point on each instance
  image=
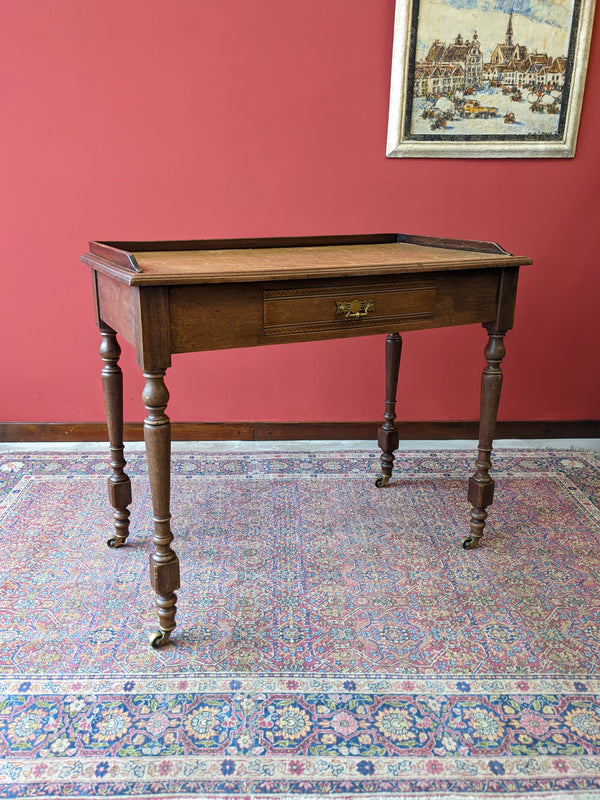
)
(481, 485)
(388, 433)
(164, 564)
(119, 485)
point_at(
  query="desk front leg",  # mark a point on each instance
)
(481, 485)
(164, 564)
(388, 437)
(119, 485)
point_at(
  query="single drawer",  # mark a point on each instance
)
(333, 308)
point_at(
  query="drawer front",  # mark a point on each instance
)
(331, 308)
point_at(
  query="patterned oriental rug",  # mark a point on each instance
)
(333, 639)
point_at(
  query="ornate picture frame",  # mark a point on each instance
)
(476, 79)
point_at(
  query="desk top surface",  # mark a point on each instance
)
(235, 261)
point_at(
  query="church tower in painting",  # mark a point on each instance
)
(509, 30)
(508, 51)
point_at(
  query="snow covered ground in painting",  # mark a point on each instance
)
(527, 122)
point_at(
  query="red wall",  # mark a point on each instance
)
(194, 119)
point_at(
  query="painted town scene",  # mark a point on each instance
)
(490, 67)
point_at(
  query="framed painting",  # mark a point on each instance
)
(488, 78)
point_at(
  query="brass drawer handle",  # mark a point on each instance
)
(355, 308)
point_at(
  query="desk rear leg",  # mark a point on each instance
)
(119, 485)
(481, 485)
(164, 564)
(388, 437)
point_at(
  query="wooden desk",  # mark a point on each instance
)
(180, 297)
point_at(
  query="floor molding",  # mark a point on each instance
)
(289, 431)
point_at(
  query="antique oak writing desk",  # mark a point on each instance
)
(180, 297)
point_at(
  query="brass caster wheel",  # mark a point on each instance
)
(116, 542)
(158, 639)
(382, 480)
(469, 543)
